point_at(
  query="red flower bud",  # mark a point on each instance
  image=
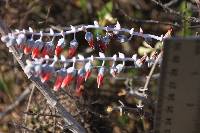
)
(71, 52)
(35, 52)
(67, 80)
(100, 76)
(100, 80)
(87, 75)
(89, 39)
(44, 52)
(58, 50)
(88, 67)
(58, 82)
(91, 43)
(102, 46)
(45, 76)
(27, 50)
(72, 48)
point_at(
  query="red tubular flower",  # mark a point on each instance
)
(91, 43)
(89, 39)
(60, 77)
(29, 45)
(71, 52)
(102, 46)
(45, 76)
(44, 51)
(100, 77)
(58, 50)
(46, 72)
(100, 80)
(37, 47)
(72, 49)
(71, 72)
(27, 50)
(60, 46)
(88, 68)
(49, 47)
(104, 42)
(80, 80)
(35, 52)
(58, 82)
(87, 74)
(67, 80)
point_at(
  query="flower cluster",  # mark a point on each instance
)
(44, 56)
(47, 68)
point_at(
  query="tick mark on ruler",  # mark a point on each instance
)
(190, 105)
(174, 72)
(176, 59)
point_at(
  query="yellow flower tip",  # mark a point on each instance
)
(109, 109)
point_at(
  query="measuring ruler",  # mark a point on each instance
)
(178, 107)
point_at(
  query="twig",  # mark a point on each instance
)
(28, 104)
(171, 3)
(166, 8)
(54, 122)
(192, 19)
(15, 104)
(146, 21)
(44, 89)
(42, 114)
(151, 71)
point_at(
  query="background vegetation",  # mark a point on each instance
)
(91, 110)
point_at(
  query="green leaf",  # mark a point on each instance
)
(123, 120)
(83, 4)
(158, 45)
(143, 50)
(4, 88)
(105, 11)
